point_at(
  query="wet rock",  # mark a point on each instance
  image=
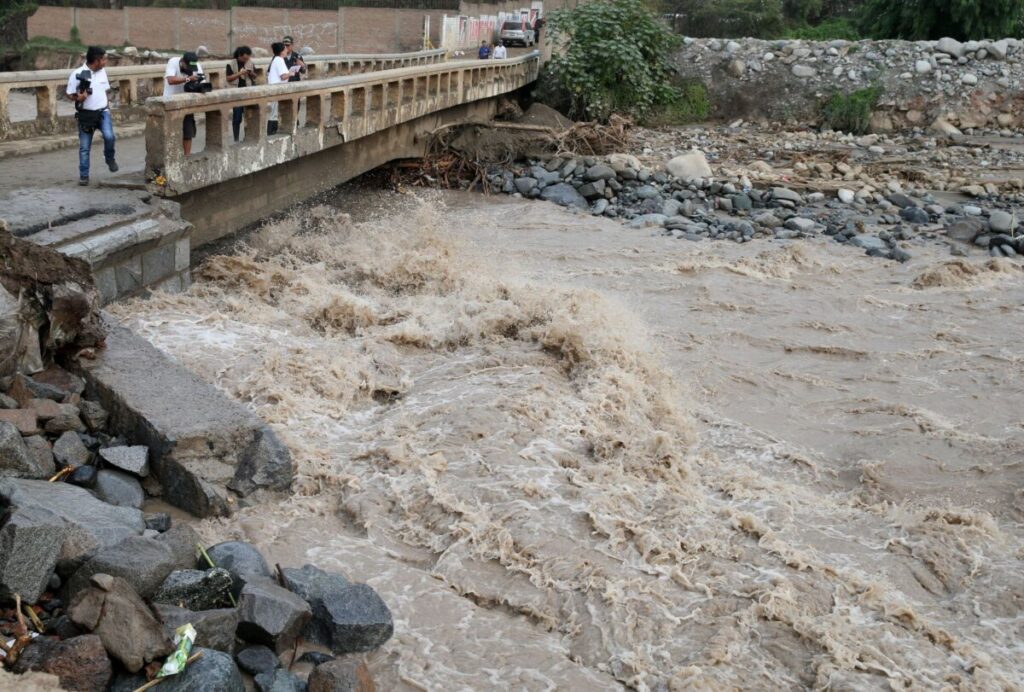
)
(266, 463)
(1001, 221)
(80, 663)
(341, 675)
(215, 629)
(83, 477)
(110, 608)
(214, 670)
(134, 460)
(195, 589)
(182, 540)
(271, 615)
(965, 229)
(914, 215)
(142, 562)
(68, 450)
(564, 195)
(869, 242)
(279, 680)
(30, 543)
(689, 166)
(158, 521)
(94, 415)
(242, 560)
(15, 458)
(117, 488)
(257, 659)
(346, 617)
(89, 524)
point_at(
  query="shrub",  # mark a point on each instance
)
(828, 30)
(851, 112)
(615, 57)
(727, 18)
(689, 105)
(932, 19)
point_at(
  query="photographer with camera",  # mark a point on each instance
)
(296, 65)
(243, 74)
(88, 87)
(185, 74)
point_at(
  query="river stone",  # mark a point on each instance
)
(599, 172)
(241, 559)
(524, 185)
(803, 71)
(846, 196)
(594, 190)
(158, 521)
(647, 192)
(118, 488)
(42, 454)
(564, 195)
(94, 415)
(266, 463)
(646, 220)
(271, 615)
(66, 419)
(347, 674)
(1001, 221)
(83, 477)
(901, 200)
(30, 544)
(195, 589)
(142, 562)
(279, 680)
(257, 659)
(784, 193)
(15, 458)
(803, 225)
(689, 166)
(965, 229)
(214, 670)
(89, 524)
(545, 177)
(134, 459)
(950, 46)
(110, 608)
(81, 663)
(914, 215)
(215, 629)
(68, 450)
(869, 242)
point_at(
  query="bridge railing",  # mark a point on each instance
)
(312, 116)
(132, 85)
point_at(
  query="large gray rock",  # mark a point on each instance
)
(30, 544)
(257, 659)
(80, 663)
(134, 459)
(68, 450)
(564, 195)
(592, 190)
(1001, 221)
(525, 184)
(112, 609)
(16, 460)
(690, 166)
(196, 589)
(965, 229)
(142, 562)
(270, 615)
(241, 559)
(544, 176)
(599, 172)
(215, 629)
(118, 488)
(950, 46)
(42, 454)
(89, 525)
(214, 670)
(784, 193)
(279, 680)
(199, 440)
(347, 674)
(346, 617)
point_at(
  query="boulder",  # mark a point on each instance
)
(143, 562)
(81, 663)
(736, 68)
(89, 525)
(16, 460)
(110, 608)
(797, 223)
(914, 215)
(619, 162)
(803, 71)
(271, 615)
(65, 419)
(83, 477)
(241, 559)
(599, 172)
(944, 127)
(266, 463)
(134, 459)
(965, 229)
(341, 675)
(195, 589)
(689, 166)
(94, 415)
(564, 195)
(183, 542)
(42, 454)
(1001, 221)
(215, 629)
(117, 488)
(950, 46)
(257, 659)
(524, 185)
(279, 680)
(25, 420)
(346, 617)
(594, 190)
(69, 450)
(785, 194)
(30, 543)
(214, 670)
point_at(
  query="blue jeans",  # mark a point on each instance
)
(236, 120)
(85, 144)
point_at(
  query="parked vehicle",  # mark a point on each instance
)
(516, 32)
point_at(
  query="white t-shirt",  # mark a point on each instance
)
(96, 101)
(500, 53)
(277, 72)
(174, 70)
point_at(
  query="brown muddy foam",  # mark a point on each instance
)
(572, 456)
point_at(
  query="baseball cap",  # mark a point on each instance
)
(190, 59)
(287, 40)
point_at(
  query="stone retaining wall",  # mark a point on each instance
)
(967, 85)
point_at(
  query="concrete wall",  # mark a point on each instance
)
(347, 30)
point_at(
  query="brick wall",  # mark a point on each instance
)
(55, 22)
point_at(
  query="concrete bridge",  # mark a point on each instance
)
(139, 230)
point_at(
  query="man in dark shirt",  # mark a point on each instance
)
(485, 51)
(292, 59)
(242, 73)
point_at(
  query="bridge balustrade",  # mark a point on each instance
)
(131, 85)
(337, 110)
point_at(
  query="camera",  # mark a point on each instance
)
(199, 86)
(84, 82)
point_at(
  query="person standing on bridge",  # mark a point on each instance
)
(277, 73)
(243, 74)
(293, 60)
(87, 87)
(179, 71)
(500, 52)
(485, 51)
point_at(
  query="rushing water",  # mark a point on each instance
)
(573, 456)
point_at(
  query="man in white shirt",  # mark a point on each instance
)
(500, 52)
(92, 109)
(277, 73)
(180, 71)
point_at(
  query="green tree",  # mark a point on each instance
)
(615, 57)
(932, 19)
